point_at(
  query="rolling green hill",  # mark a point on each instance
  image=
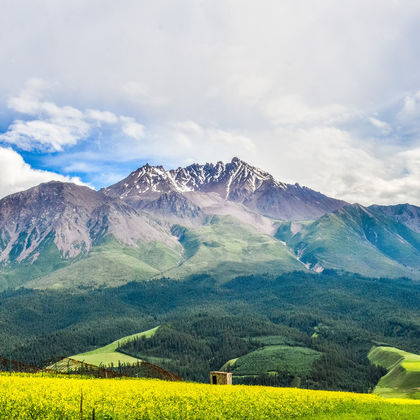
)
(403, 377)
(107, 355)
(274, 360)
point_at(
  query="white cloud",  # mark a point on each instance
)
(140, 93)
(231, 139)
(182, 142)
(16, 175)
(28, 100)
(383, 126)
(50, 127)
(132, 128)
(48, 135)
(101, 116)
(295, 87)
(411, 107)
(291, 110)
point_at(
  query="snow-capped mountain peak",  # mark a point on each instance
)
(147, 179)
(235, 181)
(226, 179)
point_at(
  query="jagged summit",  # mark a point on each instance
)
(224, 178)
(235, 181)
(231, 180)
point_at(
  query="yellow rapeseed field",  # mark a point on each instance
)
(35, 397)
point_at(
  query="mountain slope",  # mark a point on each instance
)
(225, 248)
(112, 264)
(53, 225)
(406, 214)
(64, 235)
(28, 218)
(218, 219)
(356, 239)
(77, 217)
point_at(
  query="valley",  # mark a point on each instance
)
(210, 267)
(205, 323)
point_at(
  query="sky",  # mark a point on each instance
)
(325, 93)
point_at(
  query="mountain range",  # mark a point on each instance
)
(218, 219)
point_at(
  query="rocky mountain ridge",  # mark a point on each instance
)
(219, 219)
(236, 181)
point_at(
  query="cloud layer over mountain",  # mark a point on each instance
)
(323, 94)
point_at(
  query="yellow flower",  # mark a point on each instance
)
(25, 396)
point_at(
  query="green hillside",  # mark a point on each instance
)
(274, 360)
(355, 239)
(19, 273)
(204, 323)
(112, 264)
(403, 377)
(225, 248)
(107, 355)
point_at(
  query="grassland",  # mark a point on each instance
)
(403, 377)
(112, 264)
(274, 359)
(108, 355)
(226, 248)
(36, 397)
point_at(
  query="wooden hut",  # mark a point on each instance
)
(221, 378)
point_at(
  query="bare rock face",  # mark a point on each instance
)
(53, 211)
(70, 216)
(127, 225)
(235, 181)
(174, 205)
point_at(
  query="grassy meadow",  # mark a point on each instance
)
(403, 377)
(108, 355)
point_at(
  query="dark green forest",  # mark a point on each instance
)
(204, 324)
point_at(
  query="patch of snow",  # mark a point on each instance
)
(318, 268)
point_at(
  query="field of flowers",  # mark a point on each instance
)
(36, 397)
